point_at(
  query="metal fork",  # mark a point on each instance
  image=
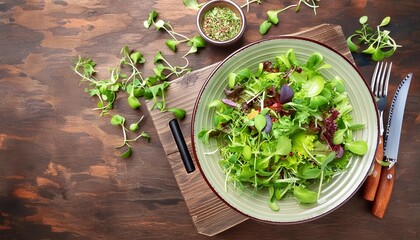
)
(379, 87)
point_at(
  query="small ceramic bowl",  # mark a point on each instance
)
(222, 4)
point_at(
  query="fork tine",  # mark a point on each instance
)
(378, 80)
(385, 89)
(382, 79)
(373, 81)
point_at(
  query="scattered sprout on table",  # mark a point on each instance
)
(377, 42)
(127, 77)
(193, 4)
(118, 120)
(272, 15)
(195, 42)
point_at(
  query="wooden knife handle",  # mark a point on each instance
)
(372, 181)
(384, 192)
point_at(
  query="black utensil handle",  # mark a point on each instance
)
(182, 146)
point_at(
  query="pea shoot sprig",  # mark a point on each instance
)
(163, 68)
(118, 120)
(272, 15)
(127, 77)
(193, 4)
(249, 2)
(85, 68)
(195, 42)
(379, 43)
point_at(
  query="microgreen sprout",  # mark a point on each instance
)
(135, 126)
(178, 112)
(118, 120)
(193, 4)
(272, 15)
(379, 44)
(195, 43)
(160, 68)
(126, 76)
(103, 89)
(163, 68)
(133, 83)
(248, 3)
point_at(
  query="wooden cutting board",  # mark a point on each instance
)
(209, 214)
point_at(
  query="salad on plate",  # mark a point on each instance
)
(284, 128)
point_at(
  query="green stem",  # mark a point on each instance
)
(249, 3)
(320, 183)
(262, 100)
(101, 100)
(124, 136)
(284, 9)
(379, 35)
(163, 102)
(310, 155)
(180, 35)
(136, 138)
(167, 63)
(170, 32)
(140, 119)
(313, 6)
(133, 66)
(83, 76)
(272, 175)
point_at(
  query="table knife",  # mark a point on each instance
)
(391, 145)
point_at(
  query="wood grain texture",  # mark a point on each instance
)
(383, 195)
(60, 175)
(209, 214)
(372, 181)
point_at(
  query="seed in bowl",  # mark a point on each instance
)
(221, 23)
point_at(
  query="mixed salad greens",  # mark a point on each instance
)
(284, 128)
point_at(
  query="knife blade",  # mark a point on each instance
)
(391, 146)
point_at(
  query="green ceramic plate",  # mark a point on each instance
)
(341, 188)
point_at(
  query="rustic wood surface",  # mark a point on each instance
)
(209, 214)
(60, 175)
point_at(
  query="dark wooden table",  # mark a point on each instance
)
(60, 175)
